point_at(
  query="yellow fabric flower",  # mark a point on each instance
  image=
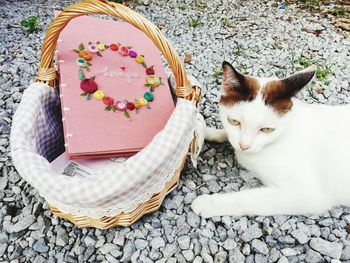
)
(101, 47)
(85, 54)
(140, 59)
(99, 95)
(137, 104)
(153, 80)
(143, 102)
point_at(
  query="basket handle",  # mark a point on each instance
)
(47, 72)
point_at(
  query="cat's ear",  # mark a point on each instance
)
(294, 83)
(278, 93)
(232, 78)
(236, 87)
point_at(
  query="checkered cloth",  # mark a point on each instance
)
(36, 139)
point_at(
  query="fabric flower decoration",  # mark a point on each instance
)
(99, 94)
(108, 101)
(140, 59)
(93, 48)
(81, 62)
(132, 54)
(120, 105)
(143, 102)
(148, 96)
(150, 70)
(88, 86)
(114, 47)
(152, 81)
(124, 51)
(130, 106)
(85, 55)
(137, 104)
(101, 46)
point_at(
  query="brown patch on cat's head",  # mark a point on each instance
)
(237, 87)
(278, 93)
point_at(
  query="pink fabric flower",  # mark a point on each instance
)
(120, 105)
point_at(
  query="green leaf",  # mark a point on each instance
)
(148, 107)
(98, 54)
(126, 114)
(114, 108)
(32, 19)
(83, 94)
(81, 46)
(147, 85)
(81, 74)
(106, 46)
(129, 47)
(93, 78)
(151, 89)
(88, 63)
(144, 65)
(90, 43)
(76, 51)
(88, 96)
(108, 108)
(24, 23)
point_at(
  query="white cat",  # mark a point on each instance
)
(299, 151)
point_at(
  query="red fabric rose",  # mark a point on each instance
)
(88, 85)
(114, 47)
(108, 101)
(150, 70)
(130, 106)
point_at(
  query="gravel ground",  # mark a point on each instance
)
(258, 39)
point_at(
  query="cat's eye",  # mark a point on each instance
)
(267, 130)
(234, 122)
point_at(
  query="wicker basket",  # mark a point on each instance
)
(47, 74)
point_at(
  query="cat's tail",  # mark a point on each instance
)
(215, 135)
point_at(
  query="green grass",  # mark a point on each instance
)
(217, 75)
(195, 22)
(338, 11)
(226, 22)
(31, 23)
(238, 50)
(201, 4)
(323, 72)
(311, 3)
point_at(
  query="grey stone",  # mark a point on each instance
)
(283, 260)
(141, 244)
(251, 233)
(236, 256)
(327, 248)
(288, 252)
(313, 256)
(22, 224)
(220, 257)
(41, 246)
(345, 253)
(62, 237)
(107, 248)
(184, 242)
(229, 244)
(259, 247)
(259, 258)
(193, 220)
(300, 236)
(188, 255)
(157, 242)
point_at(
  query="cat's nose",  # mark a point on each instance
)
(244, 147)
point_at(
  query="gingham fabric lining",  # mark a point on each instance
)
(36, 139)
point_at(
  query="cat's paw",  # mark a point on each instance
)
(204, 206)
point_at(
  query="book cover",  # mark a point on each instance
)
(114, 92)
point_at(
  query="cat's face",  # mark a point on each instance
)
(254, 111)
